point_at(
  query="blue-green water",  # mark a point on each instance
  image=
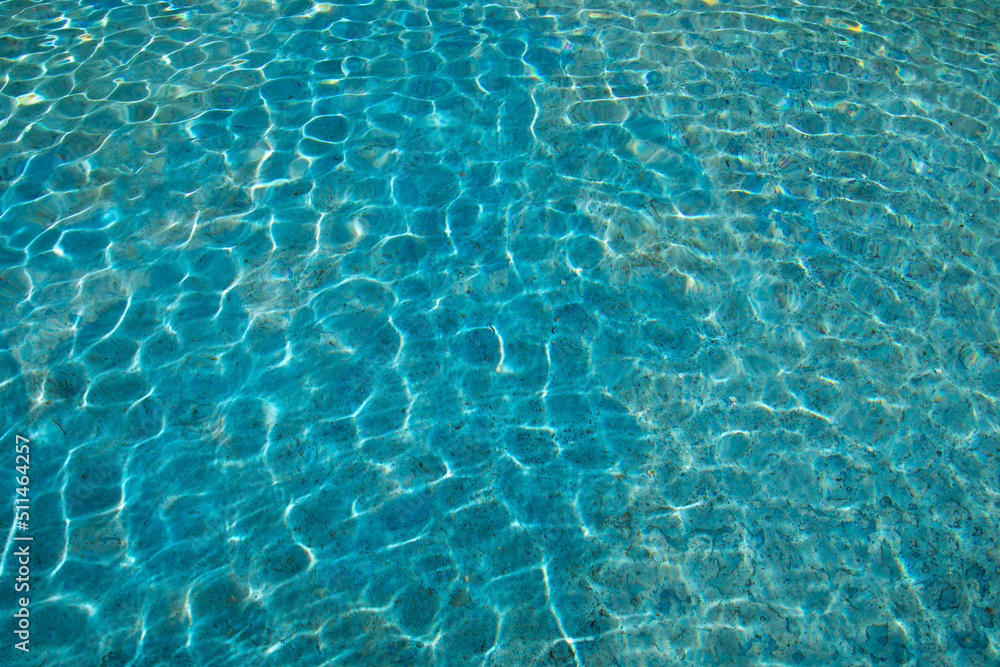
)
(631, 333)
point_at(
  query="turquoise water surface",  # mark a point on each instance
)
(633, 333)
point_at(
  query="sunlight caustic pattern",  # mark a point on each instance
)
(532, 333)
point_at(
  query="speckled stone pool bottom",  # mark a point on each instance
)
(636, 333)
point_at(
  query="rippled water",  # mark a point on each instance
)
(632, 333)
